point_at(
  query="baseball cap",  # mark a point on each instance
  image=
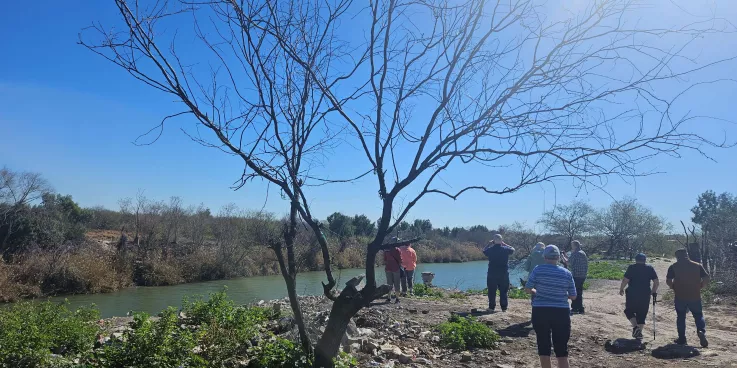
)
(551, 251)
(640, 257)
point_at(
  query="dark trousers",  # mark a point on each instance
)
(552, 324)
(577, 305)
(697, 311)
(637, 306)
(494, 282)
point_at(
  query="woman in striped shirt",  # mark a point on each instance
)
(552, 286)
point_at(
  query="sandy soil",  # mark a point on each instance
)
(604, 320)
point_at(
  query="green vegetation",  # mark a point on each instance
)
(210, 333)
(514, 293)
(421, 290)
(607, 270)
(463, 333)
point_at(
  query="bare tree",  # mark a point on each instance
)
(433, 86)
(571, 221)
(629, 227)
(17, 191)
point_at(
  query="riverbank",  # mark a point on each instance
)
(96, 266)
(384, 335)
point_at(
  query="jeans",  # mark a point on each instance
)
(498, 281)
(392, 279)
(552, 323)
(408, 280)
(682, 308)
(577, 305)
(637, 306)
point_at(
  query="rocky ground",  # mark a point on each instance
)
(389, 335)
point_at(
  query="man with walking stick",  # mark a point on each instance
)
(637, 279)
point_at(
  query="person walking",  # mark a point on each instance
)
(497, 275)
(687, 278)
(637, 279)
(392, 267)
(409, 263)
(578, 264)
(552, 286)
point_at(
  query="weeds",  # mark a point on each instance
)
(606, 270)
(421, 290)
(463, 333)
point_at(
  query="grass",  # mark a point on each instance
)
(422, 290)
(514, 293)
(606, 270)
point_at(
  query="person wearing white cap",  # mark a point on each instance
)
(552, 286)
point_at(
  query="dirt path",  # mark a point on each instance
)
(604, 320)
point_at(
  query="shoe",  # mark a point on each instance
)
(637, 333)
(504, 310)
(680, 341)
(634, 332)
(702, 339)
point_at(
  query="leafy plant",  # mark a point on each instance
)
(345, 360)
(423, 290)
(462, 333)
(162, 343)
(278, 353)
(31, 332)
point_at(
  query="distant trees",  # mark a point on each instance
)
(18, 190)
(628, 227)
(571, 221)
(716, 215)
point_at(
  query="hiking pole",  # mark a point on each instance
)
(655, 297)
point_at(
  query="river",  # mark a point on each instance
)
(463, 276)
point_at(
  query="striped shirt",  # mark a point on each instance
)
(554, 284)
(579, 264)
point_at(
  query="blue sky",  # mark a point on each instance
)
(72, 116)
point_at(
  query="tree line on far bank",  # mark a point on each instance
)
(51, 245)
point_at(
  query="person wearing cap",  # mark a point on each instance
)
(637, 279)
(497, 275)
(552, 287)
(578, 263)
(687, 278)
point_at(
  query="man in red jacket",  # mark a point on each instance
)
(392, 266)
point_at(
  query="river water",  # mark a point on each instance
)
(463, 276)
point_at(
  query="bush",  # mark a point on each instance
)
(463, 333)
(345, 360)
(425, 291)
(162, 343)
(31, 332)
(606, 270)
(278, 353)
(518, 293)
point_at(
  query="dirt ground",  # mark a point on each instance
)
(604, 320)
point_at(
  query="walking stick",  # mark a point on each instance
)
(654, 300)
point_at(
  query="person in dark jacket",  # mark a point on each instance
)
(497, 276)
(637, 279)
(392, 267)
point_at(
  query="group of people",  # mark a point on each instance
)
(555, 278)
(399, 265)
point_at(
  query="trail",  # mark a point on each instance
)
(604, 320)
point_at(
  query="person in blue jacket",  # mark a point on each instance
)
(497, 276)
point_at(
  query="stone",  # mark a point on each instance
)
(504, 352)
(369, 346)
(424, 335)
(367, 332)
(425, 311)
(392, 351)
(423, 361)
(404, 358)
(436, 338)
(260, 303)
(412, 311)
(355, 347)
(504, 366)
(466, 357)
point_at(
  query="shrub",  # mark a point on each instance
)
(425, 291)
(162, 343)
(518, 293)
(345, 360)
(606, 270)
(31, 332)
(278, 353)
(463, 333)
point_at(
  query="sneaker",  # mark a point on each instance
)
(504, 310)
(702, 339)
(680, 341)
(637, 333)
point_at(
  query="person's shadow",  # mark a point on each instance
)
(518, 330)
(675, 351)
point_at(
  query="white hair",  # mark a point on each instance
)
(498, 237)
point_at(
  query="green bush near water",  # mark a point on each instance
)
(421, 290)
(213, 332)
(463, 333)
(607, 270)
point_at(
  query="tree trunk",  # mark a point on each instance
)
(341, 313)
